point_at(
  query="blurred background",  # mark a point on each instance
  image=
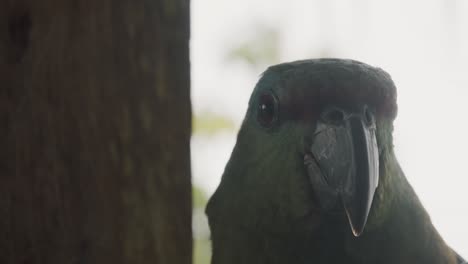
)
(423, 44)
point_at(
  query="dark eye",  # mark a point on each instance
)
(267, 109)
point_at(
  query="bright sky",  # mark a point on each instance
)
(423, 44)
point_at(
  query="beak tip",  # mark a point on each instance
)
(356, 232)
(357, 225)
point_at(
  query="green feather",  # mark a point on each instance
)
(265, 211)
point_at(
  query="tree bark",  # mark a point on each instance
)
(95, 126)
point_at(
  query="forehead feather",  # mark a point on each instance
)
(313, 84)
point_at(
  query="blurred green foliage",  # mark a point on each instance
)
(202, 251)
(260, 49)
(201, 233)
(209, 123)
(199, 197)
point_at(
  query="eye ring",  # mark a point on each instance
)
(267, 109)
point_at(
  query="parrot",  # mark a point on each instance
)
(313, 177)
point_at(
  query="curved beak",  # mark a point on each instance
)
(343, 165)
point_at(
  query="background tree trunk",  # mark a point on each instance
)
(94, 131)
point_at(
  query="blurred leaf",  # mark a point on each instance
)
(209, 123)
(202, 251)
(262, 48)
(199, 197)
(201, 232)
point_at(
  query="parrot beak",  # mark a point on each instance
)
(343, 165)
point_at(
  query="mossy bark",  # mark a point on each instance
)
(94, 132)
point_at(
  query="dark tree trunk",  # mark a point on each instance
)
(94, 132)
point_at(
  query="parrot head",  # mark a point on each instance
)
(308, 150)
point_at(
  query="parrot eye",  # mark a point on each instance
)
(267, 109)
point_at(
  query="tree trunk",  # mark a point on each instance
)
(94, 132)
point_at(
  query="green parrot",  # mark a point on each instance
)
(313, 177)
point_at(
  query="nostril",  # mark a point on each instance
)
(369, 117)
(334, 115)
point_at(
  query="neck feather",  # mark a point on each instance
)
(399, 228)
